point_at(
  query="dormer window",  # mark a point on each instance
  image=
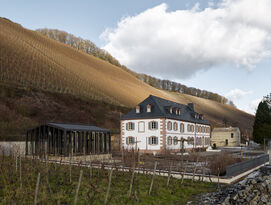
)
(179, 111)
(148, 108)
(170, 110)
(137, 109)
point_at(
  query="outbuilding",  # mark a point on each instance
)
(62, 139)
(226, 136)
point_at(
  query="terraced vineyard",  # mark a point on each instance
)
(31, 60)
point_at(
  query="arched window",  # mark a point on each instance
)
(175, 140)
(192, 128)
(175, 126)
(188, 140)
(169, 125)
(192, 140)
(169, 140)
(181, 127)
(130, 140)
(188, 128)
(197, 128)
(153, 140)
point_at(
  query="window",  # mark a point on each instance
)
(153, 140)
(170, 110)
(137, 109)
(175, 126)
(153, 125)
(148, 108)
(188, 128)
(207, 141)
(169, 140)
(175, 140)
(130, 140)
(141, 126)
(232, 135)
(197, 128)
(169, 125)
(192, 128)
(130, 126)
(181, 127)
(192, 140)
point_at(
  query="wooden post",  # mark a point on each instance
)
(153, 175)
(84, 143)
(16, 162)
(65, 143)
(37, 189)
(195, 169)
(131, 182)
(78, 187)
(20, 171)
(218, 173)
(184, 172)
(90, 169)
(169, 173)
(26, 143)
(109, 143)
(108, 187)
(70, 169)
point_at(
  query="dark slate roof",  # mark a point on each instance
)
(160, 108)
(76, 127)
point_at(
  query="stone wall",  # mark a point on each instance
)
(11, 147)
(254, 190)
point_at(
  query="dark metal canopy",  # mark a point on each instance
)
(76, 127)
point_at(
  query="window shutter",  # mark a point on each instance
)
(126, 126)
(127, 140)
(149, 125)
(149, 138)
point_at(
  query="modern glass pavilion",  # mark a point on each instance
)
(67, 139)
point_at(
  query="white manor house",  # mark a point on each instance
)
(157, 124)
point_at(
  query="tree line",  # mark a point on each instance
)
(90, 48)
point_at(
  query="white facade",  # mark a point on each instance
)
(136, 133)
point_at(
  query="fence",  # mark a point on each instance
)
(241, 167)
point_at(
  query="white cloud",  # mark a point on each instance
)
(236, 94)
(177, 44)
(252, 107)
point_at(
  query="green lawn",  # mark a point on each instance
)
(92, 189)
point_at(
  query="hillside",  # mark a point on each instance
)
(35, 63)
(91, 49)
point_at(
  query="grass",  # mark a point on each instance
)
(92, 190)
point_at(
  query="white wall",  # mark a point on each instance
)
(184, 134)
(142, 137)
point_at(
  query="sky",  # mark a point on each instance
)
(223, 46)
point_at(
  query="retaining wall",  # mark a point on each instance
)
(241, 167)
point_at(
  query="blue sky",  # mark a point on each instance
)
(243, 75)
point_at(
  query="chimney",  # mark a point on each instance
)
(191, 106)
